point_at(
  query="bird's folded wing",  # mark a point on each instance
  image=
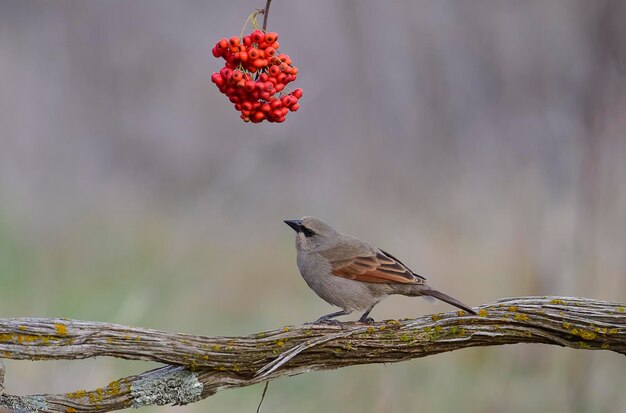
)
(376, 267)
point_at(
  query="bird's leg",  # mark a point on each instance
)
(328, 318)
(364, 318)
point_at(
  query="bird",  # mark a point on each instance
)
(353, 275)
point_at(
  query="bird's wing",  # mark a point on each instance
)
(372, 266)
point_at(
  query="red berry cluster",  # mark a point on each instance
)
(255, 75)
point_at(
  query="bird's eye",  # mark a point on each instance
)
(307, 232)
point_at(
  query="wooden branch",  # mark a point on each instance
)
(198, 367)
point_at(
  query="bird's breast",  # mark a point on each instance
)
(341, 292)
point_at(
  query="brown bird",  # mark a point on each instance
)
(352, 274)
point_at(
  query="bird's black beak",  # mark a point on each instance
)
(295, 224)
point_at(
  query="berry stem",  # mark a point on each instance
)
(266, 12)
(250, 17)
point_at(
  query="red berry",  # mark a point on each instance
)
(234, 42)
(271, 37)
(257, 36)
(284, 58)
(274, 70)
(250, 85)
(226, 73)
(259, 63)
(294, 107)
(253, 54)
(222, 44)
(217, 79)
(297, 93)
(237, 76)
(247, 41)
(286, 100)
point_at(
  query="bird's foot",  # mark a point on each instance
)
(366, 320)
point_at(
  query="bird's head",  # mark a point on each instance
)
(313, 234)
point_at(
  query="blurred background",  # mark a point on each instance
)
(482, 142)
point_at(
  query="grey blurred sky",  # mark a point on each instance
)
(483, 142)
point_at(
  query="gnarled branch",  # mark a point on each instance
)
(197, 367)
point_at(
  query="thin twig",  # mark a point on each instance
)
(266, 13)
(258, 409)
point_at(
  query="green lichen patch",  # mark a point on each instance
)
(620, 309)
(27, 338)
(482, 313)
(521, 317)
(436, 317)
(61, 329)
(405, 338)
(78, 394)
(556, 301)
(512, 308)
(585, 334)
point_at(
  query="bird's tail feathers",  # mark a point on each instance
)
(446, 298)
